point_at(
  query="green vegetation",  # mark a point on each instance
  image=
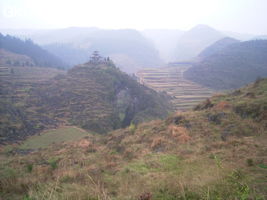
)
(96, 97)
(50, 137)
(218, 46)
(18, 117)
(29, 167)
(231, 67)
(40, 56)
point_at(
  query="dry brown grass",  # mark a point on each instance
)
(223, 105)
(180, 133)
(183, 157)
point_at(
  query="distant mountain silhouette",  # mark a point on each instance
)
(239, 36)
(40, 56)
(260, 37)
(129, 49)
(68, 52)
(192, 42)
(232, 67)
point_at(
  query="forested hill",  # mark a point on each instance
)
(40, 56)
(218, 46)
(232, 67)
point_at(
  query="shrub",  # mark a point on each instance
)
(145, 196)
(132, 127)
(250, 162)
(29, 167)
(27, 198)
(53, 164)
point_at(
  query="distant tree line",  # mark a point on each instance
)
(27, 47)
(19, 63)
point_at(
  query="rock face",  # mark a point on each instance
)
(97, 97)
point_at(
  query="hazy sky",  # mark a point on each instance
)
(245, 16)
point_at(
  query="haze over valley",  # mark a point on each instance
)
(133, 100)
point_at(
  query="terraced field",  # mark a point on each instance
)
(18, 116)
(185, 93)
(16, 82)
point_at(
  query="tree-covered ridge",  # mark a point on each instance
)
(27, 47)
(218, 46)
(232, 67)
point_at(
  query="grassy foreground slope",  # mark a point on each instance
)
(217, 151)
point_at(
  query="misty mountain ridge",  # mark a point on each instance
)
(74, 44)
(232, 66)
(130, 49)
(217, 46)
(39, 56)
(192, 42)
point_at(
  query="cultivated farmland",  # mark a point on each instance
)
(185, 93)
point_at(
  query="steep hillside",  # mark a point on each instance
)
(40, 57)
(217, 46)
(192, 42)
(97, 97)
(232, 67)
(215, 152)
(18, 118)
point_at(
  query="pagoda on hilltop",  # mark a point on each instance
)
(95, 58)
